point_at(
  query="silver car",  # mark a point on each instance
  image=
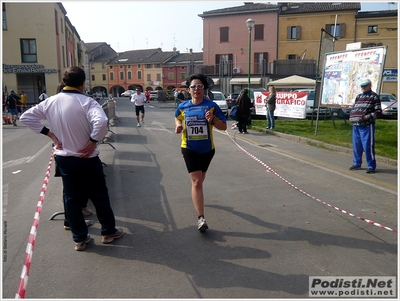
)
(220, 100)
(389, 105)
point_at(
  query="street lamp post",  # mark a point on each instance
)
(250, 25)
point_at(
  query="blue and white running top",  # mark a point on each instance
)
(197, 132)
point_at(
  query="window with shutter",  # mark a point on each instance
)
(293, 32)
(224, 34)
(259, 32)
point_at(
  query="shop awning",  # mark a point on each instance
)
(216, 81)
(245, 80)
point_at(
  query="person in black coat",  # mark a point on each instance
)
(244, 104)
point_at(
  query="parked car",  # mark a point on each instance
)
(220, 100)
(323, 112)
(231, 99)
(159, 95)
(389, 105)
(153, 95)
(127, 93)
(341, 113)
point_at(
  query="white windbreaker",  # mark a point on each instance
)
(73, 117)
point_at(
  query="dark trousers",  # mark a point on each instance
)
(242, 124)
(83, 179)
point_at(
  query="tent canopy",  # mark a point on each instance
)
(293, 81)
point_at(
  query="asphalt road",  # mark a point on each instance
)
(275, 209)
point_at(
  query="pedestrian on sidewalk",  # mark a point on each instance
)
(195, 120)
(139, 99)
(77, 122)
(366, 109)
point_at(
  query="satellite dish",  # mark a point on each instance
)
(210, 82)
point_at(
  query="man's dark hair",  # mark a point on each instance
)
(74, 77)
(201, 77)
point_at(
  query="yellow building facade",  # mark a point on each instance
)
(38, 45)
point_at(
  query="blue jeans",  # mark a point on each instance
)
(83, 179)
(363, 139)
(270, 119)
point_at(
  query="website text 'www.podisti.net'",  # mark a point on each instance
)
(367, 287)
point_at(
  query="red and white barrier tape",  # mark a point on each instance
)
(307, 194)
(389, 106)
(32, 236)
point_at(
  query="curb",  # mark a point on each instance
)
(320, 144)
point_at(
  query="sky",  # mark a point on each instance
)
(131, 25)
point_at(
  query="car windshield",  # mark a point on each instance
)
(218, 96)
(387, 98)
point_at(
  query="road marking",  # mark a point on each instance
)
(25, 160)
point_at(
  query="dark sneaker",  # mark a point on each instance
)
(80, 246)
(370, 170)
(353, 167)
(110, 238)
(202, 224)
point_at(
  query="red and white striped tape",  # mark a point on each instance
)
(307, 194)
(389, 106)
(23, 282)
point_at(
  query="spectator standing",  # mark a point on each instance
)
(271, 105)
(147, 94)
(195, 119)
(86, 211)
(43, 96)
(12, 102)
(180, 96)
(366, 109)
(244, 104)
(77, 123)
(24, 100)
(139, 99)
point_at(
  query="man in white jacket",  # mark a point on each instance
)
(77, 123)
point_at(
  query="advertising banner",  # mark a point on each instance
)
(343, 72)
(288, 104)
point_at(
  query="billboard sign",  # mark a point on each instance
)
(343, 72)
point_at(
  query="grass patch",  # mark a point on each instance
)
(340, 134)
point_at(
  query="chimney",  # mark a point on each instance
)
(191, 50)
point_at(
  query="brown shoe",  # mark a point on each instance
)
(80, 246)
(110, 238)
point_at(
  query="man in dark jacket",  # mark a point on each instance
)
(12, 103)
(244, 104)
(366, 109)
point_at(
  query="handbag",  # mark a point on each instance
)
(233, 113)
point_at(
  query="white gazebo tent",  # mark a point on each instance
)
(293, 82)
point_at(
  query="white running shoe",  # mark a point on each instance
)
(202, 224)
(138, 125)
